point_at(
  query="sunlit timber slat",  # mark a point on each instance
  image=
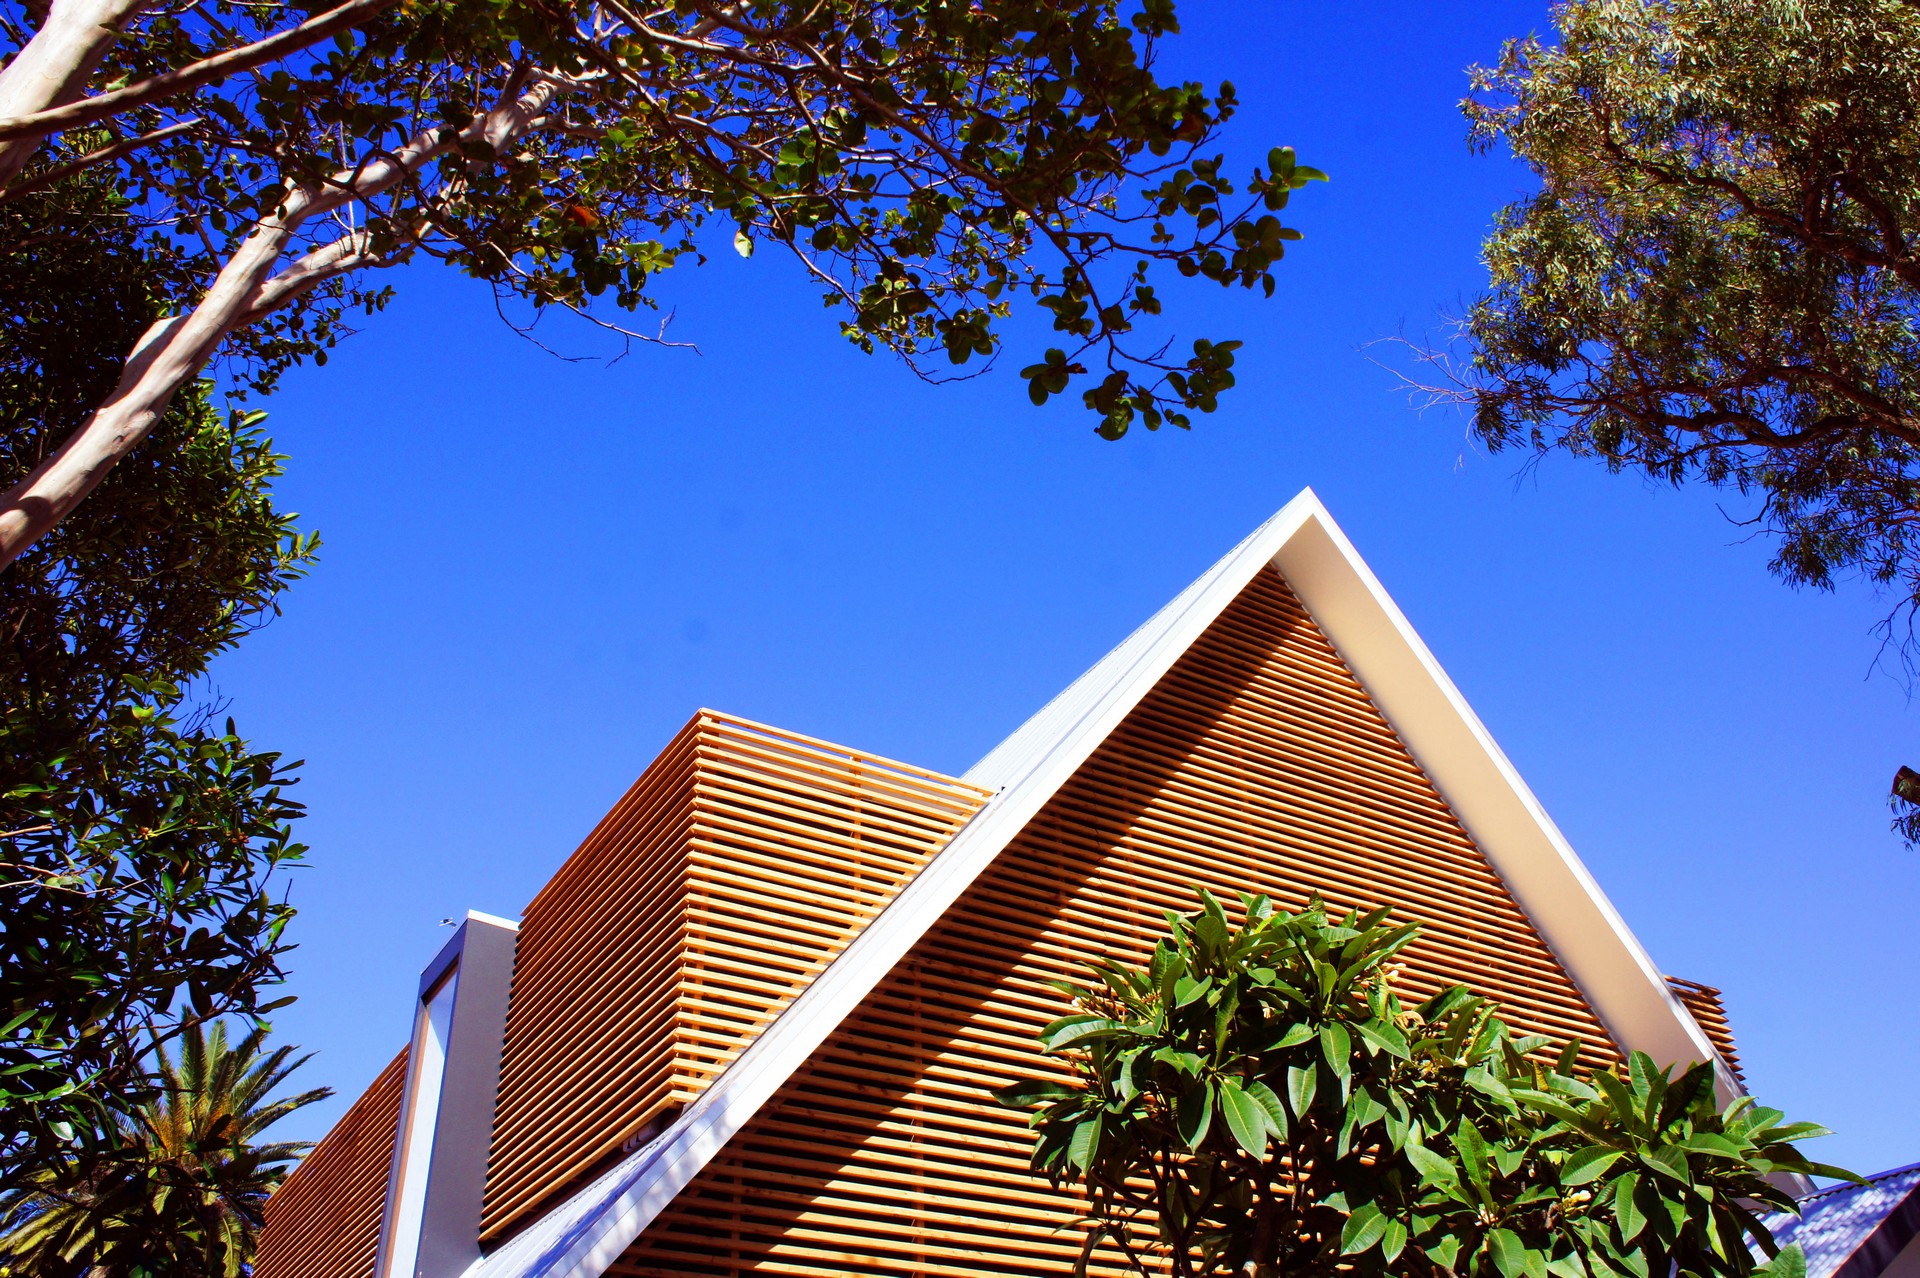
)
(739, 864)
(324, 1222)
(1258, 764)
(1709, 1012)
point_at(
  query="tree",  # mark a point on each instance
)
(139, 838)
(1717, 279)
(929, 162)
(148, 56)
(1258, 1100)
(186, 1200)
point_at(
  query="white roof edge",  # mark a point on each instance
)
(1573, 916)
(582, 1236)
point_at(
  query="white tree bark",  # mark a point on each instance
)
(247, 289)
(53, 68)
(24, 125)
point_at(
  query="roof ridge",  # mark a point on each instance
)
(1876, 1178)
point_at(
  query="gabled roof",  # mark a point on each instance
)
(587, 1232)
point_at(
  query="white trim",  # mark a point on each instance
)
(585, 1234)
(430, 1226)
(1561, 898)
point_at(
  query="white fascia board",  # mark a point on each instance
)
(430, 1226)
(586, 1233)
(1573, 916)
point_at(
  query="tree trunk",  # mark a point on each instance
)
(54, 67)
(247, 290)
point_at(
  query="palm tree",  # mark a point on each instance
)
(180, 1194)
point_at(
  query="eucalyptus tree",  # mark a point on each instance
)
(929, 163)
(1258, 1100)
(1718, 277)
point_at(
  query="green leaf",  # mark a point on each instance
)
(1085, 1145)
(1126, 1083)
(1588, 1164)
(742, 244)
(1300, 1088)
(1188, 1063)
(1472, 1148)
(1363, 1110)
(1712, 1143)
(1434, 1170)
(1028, 1093)
(1271, 1106)
(1069, 1030)
(1668, 1161)
(1245, 1118)
(1193, 1113)
(1383, 1037)
(1365, 1227)
(1509, 1253)
(1186, 990)
(1791, 1262)
(1393, 1241)
(1641, 1071)
(1626, 1211)
(1337, 1047)
(1294, 1036)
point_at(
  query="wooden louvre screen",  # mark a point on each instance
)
(324, 1222)
(1258, 763)
(735, 869)
(1709, 1012)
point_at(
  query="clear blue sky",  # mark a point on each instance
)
(535, 571)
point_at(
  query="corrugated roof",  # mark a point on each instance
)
(1854, 1231)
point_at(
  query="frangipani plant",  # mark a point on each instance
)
(1259, 1100)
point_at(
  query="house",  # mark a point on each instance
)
(749, 1026)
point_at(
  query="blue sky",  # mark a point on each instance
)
(535, 571)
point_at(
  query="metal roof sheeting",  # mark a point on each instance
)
(1855, 1231)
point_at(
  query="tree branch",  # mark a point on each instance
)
(175, 349)
(101, 155)
(185, 79)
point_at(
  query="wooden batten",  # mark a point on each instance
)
(1709, 1012)
(739, 864)
(1259, 764)
(324, 1222)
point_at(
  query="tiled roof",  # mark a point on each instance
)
(1854, 1231)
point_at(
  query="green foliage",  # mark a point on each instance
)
(931, 163)
(1258, 1100)
(1717, 279)
(1905, 802)
(182, 1195)
(137, 834)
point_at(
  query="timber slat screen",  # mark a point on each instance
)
(324, 1222)
(1709, 1012)
(1258, 763)
(739, 864)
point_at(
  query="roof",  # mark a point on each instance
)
(1855, 1231)
(584, 1234)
